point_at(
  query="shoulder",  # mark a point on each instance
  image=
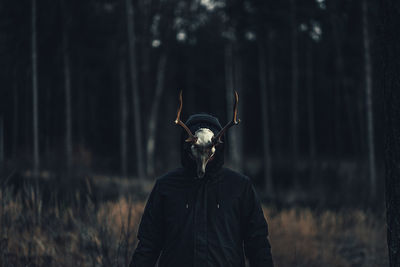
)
(173, 179)
(170, 175)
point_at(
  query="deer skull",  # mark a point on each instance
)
(203, 150)
(204, 142)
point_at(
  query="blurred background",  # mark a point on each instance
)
(89, 94)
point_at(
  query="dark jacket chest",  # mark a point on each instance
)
(203, 218)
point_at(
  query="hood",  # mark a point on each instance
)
(194, 123)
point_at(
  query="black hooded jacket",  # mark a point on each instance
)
(215, 221)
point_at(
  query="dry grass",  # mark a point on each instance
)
(300, 237)
(67, 236)
(106, 235)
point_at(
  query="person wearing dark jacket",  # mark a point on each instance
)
(198, 216)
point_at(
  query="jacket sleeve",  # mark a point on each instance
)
(256, 245)
(150, 233)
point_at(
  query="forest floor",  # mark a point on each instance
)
(103, 233)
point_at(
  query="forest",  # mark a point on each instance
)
(89, 95)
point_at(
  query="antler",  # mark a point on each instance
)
(235, 121)
(191, 137)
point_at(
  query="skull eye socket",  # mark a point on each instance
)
(209, 149)
(197, 147)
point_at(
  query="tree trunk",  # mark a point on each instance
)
(15, 118)
(153, 118)
(27, 127)
(232, 82)
(35, 114)
(310, 109)
(265, 118)
(135, 88)
(47, 123)
(276, 139)
(124, 116)
(68, 115)
(340, 91)
(391, 87)
(229, 88)
(337, 84)
(81, 106)
(295, 82)
(237, 133)
(145, 8)
(368, 102)
(1, 143)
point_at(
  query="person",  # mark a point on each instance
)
(202, 219)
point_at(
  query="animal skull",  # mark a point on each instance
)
(203, 150)
(203, 142)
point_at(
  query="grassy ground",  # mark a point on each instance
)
(300, 237)
(33, 233)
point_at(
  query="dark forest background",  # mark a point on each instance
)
(106, 88)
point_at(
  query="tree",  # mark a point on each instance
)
(124, 115)
(265, 116)
(35, 100)
(390, 66)
(337, 25)
(130, 20)
(310, 107)
(1, 142)
(338, 19)
(157, 26)
(67, 87)
(153, 118)
(67, 84)
(237, 135)
(15, 116)
(233, 82)
(232, 30)
(368, 101)
(229, 84)
(295, 89)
